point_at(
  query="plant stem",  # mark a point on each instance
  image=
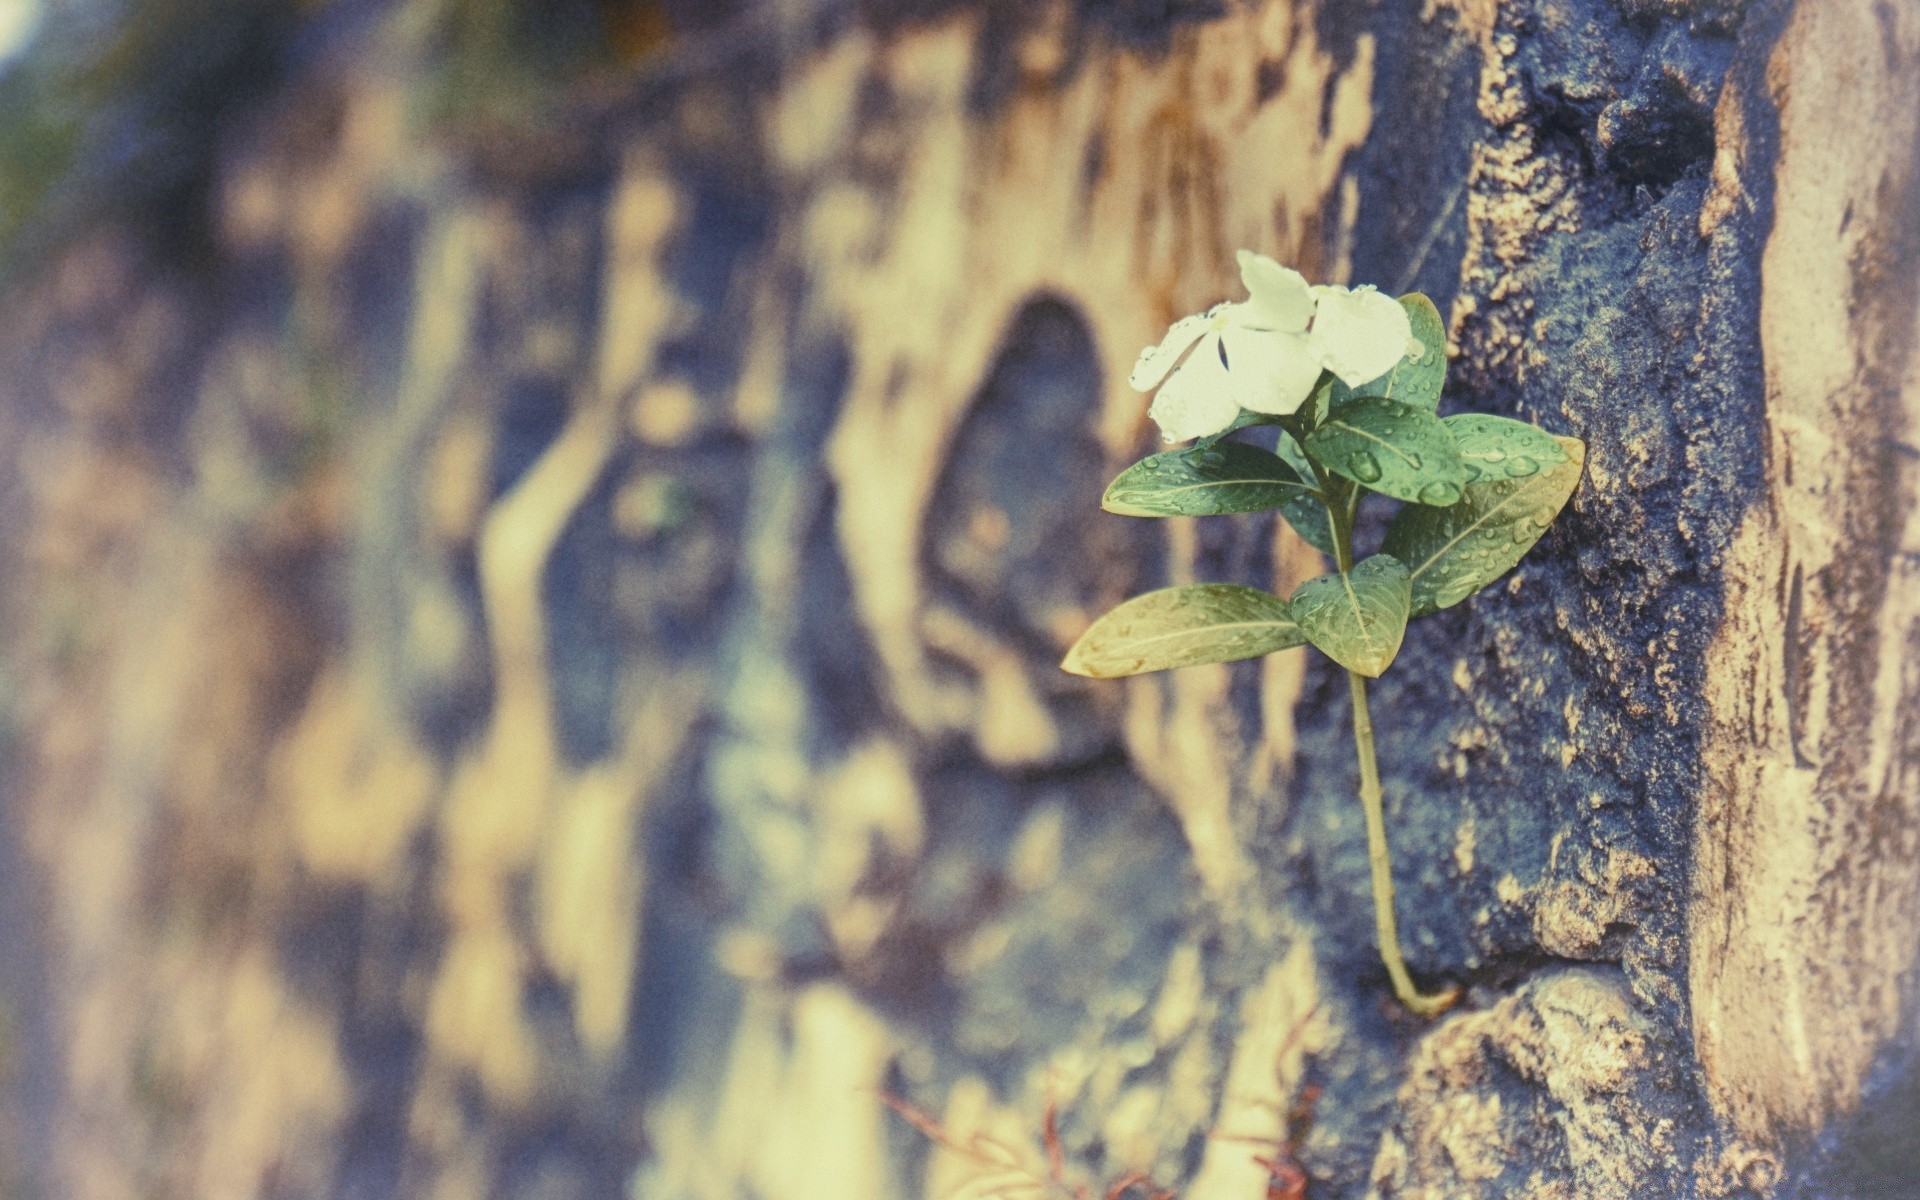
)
(1340, 509)
(1386, 925)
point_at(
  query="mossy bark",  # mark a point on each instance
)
(532, 659)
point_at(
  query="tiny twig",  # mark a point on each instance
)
(1013, 1178)
(1050, 1138)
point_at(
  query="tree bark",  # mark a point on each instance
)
(532, 660)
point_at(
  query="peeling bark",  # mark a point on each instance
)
(533, 671)
(1808, 876)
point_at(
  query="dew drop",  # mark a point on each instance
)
(1440, 494)
(1494, 455)
(1413, 460)
(1365, 467)
(1521, 466)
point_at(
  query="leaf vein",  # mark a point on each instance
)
(1188, 487)
(1359, 614)
(1372, 438)
(1482, 519)
(1202, 629)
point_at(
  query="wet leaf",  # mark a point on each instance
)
(1246, 420)
(1306, 514)
(1182, 627)
(1359, 617)
(1202, 481)
(1396, 449)
(1328, 392)
(1454, 552)
(1497, 448)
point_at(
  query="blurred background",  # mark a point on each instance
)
(535, 536)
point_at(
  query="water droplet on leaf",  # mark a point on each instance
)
(1365, 467)
(1440, 494)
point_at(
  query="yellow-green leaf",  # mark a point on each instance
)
(1183, 627)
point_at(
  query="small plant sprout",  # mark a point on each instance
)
(1353, 380)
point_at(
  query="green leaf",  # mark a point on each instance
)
(1327, 392)
(1416, 381)
(1396, 449)
(1202, 481)
(1454, 552)
(1497, 448)
(1307, 515)
(1358, 617)
(1246, 420)
(1184, 626)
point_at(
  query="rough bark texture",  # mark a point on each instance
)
(530, 651)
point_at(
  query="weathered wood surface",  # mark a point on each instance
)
(530, 673)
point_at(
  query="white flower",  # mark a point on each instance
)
(1359, 334)
(1266, 352)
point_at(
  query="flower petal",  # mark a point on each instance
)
(1280, 296)
(1155, 361)
(1197, 400)
(1271, 373)
(1359, 335)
